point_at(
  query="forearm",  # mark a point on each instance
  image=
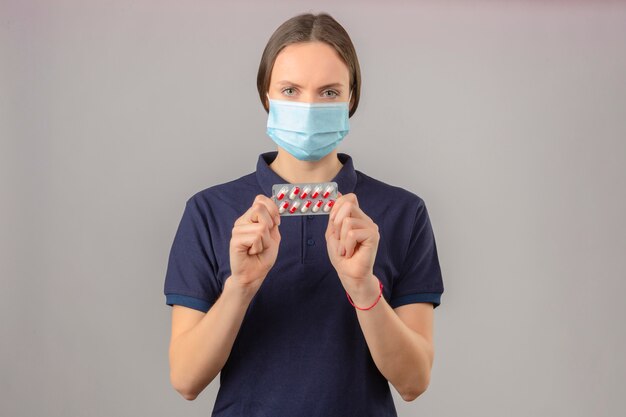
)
(198, 355)
(402, 355)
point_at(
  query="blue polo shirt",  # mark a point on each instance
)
(300, 350)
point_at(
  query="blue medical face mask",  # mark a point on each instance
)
(308, 131)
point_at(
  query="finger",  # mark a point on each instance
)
(263, 210)
(335, 204)
(332, 241)
(343, 228)
(257, 213)
(275, 233)
(264, 242)
(343, 212)
(341, 200)
(349, 223)
(353, 237)
(271, 206)
(253, 238)
(260, 214)
(250, 228)
(247, 243)
(333, 210)
(259, 202)
(330, 232)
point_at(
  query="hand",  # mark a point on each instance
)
(352, 242)
(254, 243)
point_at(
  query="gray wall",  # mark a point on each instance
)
(508, 118)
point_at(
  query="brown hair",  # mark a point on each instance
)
(309, 27)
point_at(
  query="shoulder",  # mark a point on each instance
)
(225, 194)
(217, 207)
(387, 197)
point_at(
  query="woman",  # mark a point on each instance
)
(304, 315)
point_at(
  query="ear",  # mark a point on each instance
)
(266, 101)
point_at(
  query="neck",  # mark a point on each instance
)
(294, 170)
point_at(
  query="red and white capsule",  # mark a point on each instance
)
(305, 206)
(328, 206)
(294, 192)
(294, 206)
(328, 190)
(283, 206)
(317, 191)
(305, 192)
(281, 193)
(317, 206)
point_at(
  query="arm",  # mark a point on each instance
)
(201, 342)
(400, 343)
(400, 340)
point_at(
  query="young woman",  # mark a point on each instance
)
(310, 315)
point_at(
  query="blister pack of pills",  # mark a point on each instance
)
(304, 198)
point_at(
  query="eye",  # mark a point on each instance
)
(289, 88)
(332, 91)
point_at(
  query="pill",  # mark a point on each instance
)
(317, 191)
(297, 199)
(281, 193)
(294, 192)
(294, 206)
(305, 206)
(305, 191)
(317, 206)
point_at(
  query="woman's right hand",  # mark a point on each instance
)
(254, 243)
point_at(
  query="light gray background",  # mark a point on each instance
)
(507, 118)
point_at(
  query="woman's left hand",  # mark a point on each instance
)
(352, 242)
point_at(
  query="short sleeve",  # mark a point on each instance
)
(191, 277)
(420, 277)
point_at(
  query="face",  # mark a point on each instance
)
(310, 72)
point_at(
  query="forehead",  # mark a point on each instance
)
(310, 63)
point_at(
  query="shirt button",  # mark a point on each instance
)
(310, 242)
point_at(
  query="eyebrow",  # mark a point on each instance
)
(324, 86)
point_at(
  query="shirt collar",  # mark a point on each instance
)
(345, 178)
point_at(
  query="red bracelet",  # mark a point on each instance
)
(375, 302)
